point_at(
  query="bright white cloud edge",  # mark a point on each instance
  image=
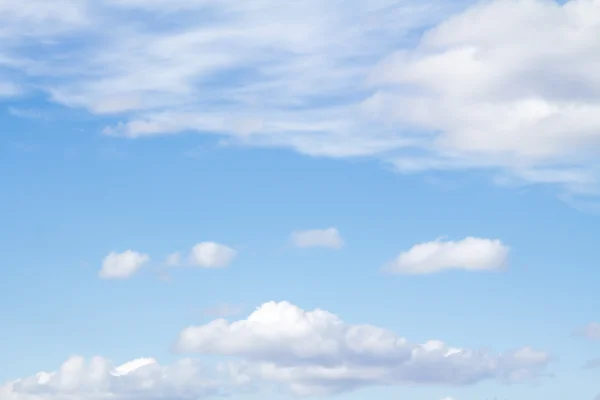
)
(315, 352)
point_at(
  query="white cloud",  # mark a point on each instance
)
(122, 265)
(471, 254)
(99, 379)
(495, 81)
(315, 352)
(329, 238)
(491, 86)
(212, 255)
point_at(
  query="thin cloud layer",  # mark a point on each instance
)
(328, 238)
(470, 254)
(315, 352)
(122, 265)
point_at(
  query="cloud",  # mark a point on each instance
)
(122, 265)
(99, 379)
(496, 86)
(329, 238)
(590, 331)
(470, 254)
(211, 255)
(488, 86)
(315, 352)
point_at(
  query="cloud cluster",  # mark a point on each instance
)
(315, 352)
(204, 255)
(470, 254)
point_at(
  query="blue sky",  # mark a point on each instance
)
(280, 199)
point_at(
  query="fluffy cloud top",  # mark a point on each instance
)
(471, 254)
(99, 379)
(315, 352)
(211, 255)
(122, 265)
(329, 238)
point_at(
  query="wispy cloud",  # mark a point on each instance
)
(335, 78)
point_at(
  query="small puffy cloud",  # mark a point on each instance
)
(99, 379)
(470, 254)
(315, 352)
(122, 265)
(211, 255)
(329, 238)
(591, 331)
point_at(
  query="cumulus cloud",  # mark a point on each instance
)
(329, 238)
(99, 379)
(470, 254)
(211, 255)
(315, 352)
(122, 265)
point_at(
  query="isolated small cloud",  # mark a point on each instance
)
(122, 265)
(212, 255)
(470, 254)
(328, 238)
(98, 378)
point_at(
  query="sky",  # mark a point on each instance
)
(393, 199)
